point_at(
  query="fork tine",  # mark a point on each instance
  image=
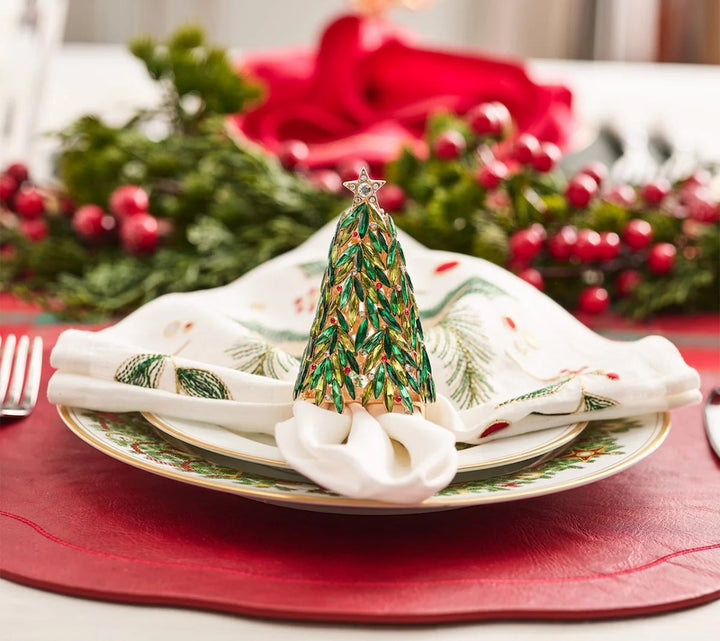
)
(18, 375)
(6, 364)
(32, 384)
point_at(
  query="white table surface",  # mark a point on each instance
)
(106, 80)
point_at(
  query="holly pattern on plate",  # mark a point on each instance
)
(135, 437)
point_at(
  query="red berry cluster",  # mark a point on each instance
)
(608, 252)
(30, 208)
(129, 219)
(25, 203)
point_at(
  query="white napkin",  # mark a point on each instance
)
(506, 360)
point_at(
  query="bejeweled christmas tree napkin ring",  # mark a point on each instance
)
(366, 342)
(366, 361)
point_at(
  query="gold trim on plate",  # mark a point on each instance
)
(656, 437)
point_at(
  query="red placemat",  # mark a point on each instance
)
(646, 540)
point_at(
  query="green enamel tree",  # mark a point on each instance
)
(366, 341)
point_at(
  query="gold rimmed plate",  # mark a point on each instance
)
(603, 449)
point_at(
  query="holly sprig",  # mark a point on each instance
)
(203, 206)
(484, 192)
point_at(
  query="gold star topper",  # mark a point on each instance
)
(364, 188)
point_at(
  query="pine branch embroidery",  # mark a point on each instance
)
(201, 383)
(143, 370)
(465, 351)
(256, 356)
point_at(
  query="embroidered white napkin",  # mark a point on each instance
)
(506, 360)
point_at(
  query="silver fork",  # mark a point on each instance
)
(19, 375)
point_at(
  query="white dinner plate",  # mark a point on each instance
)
(604, 448)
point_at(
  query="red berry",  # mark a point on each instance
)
(546, 156)
(627, 281)
(661, 258)
(484, 120)
(524, 148)
(8, 187)
(609, 246)
(596, 170)
(139, 233)
(562, 244)
(702, 208)
(293, 153)
(539, 230)
(594, 300)
(29, 202)
(653, 193)
(449, 145)
(350, 169)
(327, 180)
(378, 285)
(491, 175)
(532, 276)
(90, 221)
(33, 228)
(129, 200)
(392, 198)
(525, 244)
(623, 195)
(580, 190)
(502, 113)
(19, 171)
(587, 246)
(637, 234)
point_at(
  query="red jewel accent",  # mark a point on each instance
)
(446, 266)
(397, 399)
(313, 366)
(612, 376)
(339, 288)
(509, 322)
(384, 358)
(354, 234)
(333, 320)
(407, 312)
(494, 427)
(347, 370)
(378, 285)
(414, 354)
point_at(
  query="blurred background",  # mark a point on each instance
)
(637, 30)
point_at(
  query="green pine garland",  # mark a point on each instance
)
(228, 206)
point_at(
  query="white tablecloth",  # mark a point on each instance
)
(104, 79)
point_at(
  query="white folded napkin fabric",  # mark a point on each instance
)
(506, 360)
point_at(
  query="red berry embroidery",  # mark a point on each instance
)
(494, 427)
(446, 266)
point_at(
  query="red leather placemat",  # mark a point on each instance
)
(646, 540)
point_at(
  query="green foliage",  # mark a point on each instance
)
(227, 207)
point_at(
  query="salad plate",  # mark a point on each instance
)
(258, 453)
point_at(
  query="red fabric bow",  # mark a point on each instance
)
(367, 91)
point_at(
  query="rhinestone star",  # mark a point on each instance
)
(364, 187)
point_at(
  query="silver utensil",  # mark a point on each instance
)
(20, 369)
(712, 419)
